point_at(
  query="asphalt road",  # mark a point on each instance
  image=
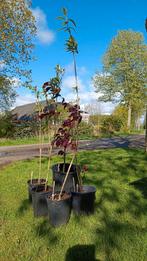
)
(9, 154)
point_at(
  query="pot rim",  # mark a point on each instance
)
(43, 181)
(93, 190)
(64, 199)
(42, 192)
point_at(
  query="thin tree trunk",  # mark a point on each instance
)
(129, 116)
(138, 122)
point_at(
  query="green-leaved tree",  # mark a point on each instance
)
(17, 29)
(125, 72)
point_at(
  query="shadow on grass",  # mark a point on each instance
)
(25, 205)
(141, 185)
(109, 236)
(111, 172)
(44, 230)
(81, 253)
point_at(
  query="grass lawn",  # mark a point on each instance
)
(31, 140)
(116, 232)
(20, 141)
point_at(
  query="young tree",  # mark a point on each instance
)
(125, 71)
(17, 28)
(120, 111)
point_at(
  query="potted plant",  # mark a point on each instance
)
(47, 115)
(33, 183)
(67, 175)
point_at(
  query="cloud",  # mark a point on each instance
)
(15, 82)
(24, 99)
(44, 34)
(69, 69)
(87, 94)
(69, 83)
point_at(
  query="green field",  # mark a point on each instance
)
(116, 232)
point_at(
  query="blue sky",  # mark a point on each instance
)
(97, 23)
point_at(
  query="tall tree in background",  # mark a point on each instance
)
(17, 28)
(125, 72)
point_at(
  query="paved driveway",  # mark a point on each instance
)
(10, 154)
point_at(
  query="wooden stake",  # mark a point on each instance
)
(53, 192)
(40, 154)
(31, 176)
(74, 186)
(58, 167)
(66, 176)
(46, 184)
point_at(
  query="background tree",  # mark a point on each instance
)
(6, 125)
(110, 124)
(17, 28)
(121, 112)
(7, 94)
(125, 72)
(94, 109)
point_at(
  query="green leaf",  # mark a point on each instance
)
(72, 21)
(60, 18)
(61, 29)
(64, 11)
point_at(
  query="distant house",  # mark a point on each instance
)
(29, 112)
(24, 113)
(85, 116)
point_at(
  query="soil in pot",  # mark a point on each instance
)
(59, 172)
(59, 210)
(83, 200)
(39, 195)
(34, 183)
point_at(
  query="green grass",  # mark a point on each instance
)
(117, 231)
(20, 141)
(32, 140)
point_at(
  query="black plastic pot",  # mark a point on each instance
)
(59, 175)
(34, 183)
(83, 201)
(59, 211)
(39, 200)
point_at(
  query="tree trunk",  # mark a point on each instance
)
(129, 116)
(138, 122)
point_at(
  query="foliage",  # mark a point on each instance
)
(7, 94)
(117, 229)
(125, 71)
(6, 126)
(110, 124)
(17, 28)
(85, 130)
(121, 111)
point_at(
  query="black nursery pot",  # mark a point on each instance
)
(83, 201)
(39, 195)
(59, 210)
(34, 183)
(59, 175)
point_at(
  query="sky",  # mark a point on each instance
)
(98, 21)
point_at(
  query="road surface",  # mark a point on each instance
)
(9, 154)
